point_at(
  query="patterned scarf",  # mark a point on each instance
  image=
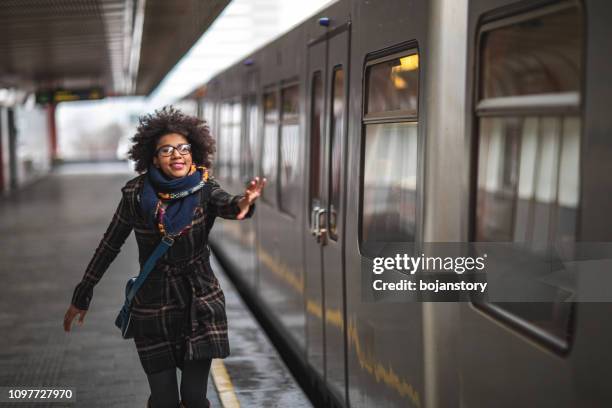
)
(170, 203)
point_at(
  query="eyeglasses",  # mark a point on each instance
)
(168, 150)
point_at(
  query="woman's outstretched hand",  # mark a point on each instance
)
(71, 313)
(252, 192)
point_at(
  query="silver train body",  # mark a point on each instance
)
(424, 121)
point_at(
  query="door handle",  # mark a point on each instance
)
(321, 232)
(313, 220)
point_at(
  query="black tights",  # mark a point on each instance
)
(194, 381)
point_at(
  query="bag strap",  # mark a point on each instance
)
(163, 246)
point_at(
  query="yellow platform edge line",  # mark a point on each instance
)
(223, 384)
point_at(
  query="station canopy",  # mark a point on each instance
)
(122, 47)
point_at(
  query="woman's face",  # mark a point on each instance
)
(176, 165)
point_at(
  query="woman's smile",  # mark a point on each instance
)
(175, 165)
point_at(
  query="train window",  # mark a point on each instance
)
(229, 140)
(337, 126)
(529, 146)
(289, 144)
(269, 145)
(393, 86)
(208, 112)
(224, 139)
(199, 108)
(389, 189)
(316, 130)
(234, 133)
(248, 166)
(212, 118)
(539, 55)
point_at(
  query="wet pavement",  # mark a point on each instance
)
(49, 231)
(260, 377)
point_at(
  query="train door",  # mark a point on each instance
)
(313, 290)
(328, 73)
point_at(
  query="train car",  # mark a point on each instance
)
(422, 121)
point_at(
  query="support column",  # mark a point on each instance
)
(52, 133)
(445, 87)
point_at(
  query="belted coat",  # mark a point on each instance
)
(179, 312)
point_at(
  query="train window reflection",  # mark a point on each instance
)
(228, 149)
(568, 194)
(539, 55)
(247, 160)
(234, 129)
(224, 140)
(528, 184)
(392, 86)
(390, 181)
(289, 143)
(270, 145)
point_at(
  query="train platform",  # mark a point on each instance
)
(49, 230)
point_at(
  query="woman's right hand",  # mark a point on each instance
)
(71, 313)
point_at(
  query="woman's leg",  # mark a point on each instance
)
(194, 381)
(164, 389)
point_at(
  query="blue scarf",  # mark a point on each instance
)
(180, 210)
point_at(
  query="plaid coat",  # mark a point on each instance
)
(179, 312)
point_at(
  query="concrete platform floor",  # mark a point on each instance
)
(49, 231)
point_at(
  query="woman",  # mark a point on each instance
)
(178, 315)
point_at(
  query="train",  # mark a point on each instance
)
(421, 121)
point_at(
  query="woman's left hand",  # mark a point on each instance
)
(252, 192)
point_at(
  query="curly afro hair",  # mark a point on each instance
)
(152, 127)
